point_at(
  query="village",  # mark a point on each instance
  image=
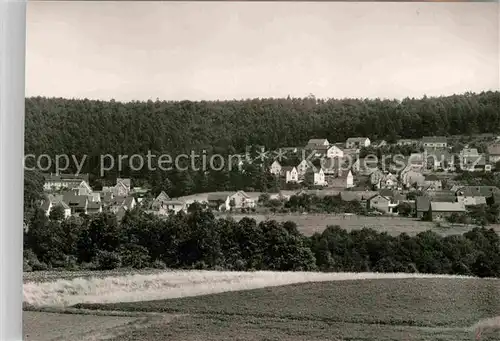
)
(422, 182)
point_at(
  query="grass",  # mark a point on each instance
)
(397, 309)
(308, 224)
(172, 284)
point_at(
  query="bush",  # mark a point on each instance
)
(134, 256)
(108, 260)
(158, 264)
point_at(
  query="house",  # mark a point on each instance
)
(442, 210)
(52, 201)
(474, 191)
(407, 142)
(435, 142)
(77, 203)
(314, 143)
(388, 180)
(122, 203)
(328, 151)
(417, 160)
(422, 205)
(439, 158)
(316, 176)
(357, 142)
(432, 183)
(345, 179)
(227, 200)
(471, 200)
(122, 187)
(219, 201)
(160, 201)
(163, 204)
(302, 168)
(494, 153)
(61, 181)
(275, 168)
(475, 163)
(94, 207)
(291, 174)
(441, 196)
(383, 203)
(376, 178)
(412, 178)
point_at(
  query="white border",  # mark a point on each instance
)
(12, 97)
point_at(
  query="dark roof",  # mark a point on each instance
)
(441, 196)
(66, 177)
(219, 196)
(434, 139)
(478, 191)
(357, 139)
(431, 177)
(287, 168)
(422, 204)
(73, 200)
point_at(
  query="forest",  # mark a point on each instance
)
(90, 127)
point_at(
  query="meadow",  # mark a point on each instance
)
(212, 305)
(374, 309)
(308, 224)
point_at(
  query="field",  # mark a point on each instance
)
(308, 224)
(397, 309)
(210, 305)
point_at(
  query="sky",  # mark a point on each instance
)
(234, 50)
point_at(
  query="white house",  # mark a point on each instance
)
(275, 168)
(357, 142)
(317, 176)
(494, 153)
(317, 143)
(303, 166)
(291, 174)
(53, 201)
(60, 181)
(329, 151)
(227, 200)
(435, 142)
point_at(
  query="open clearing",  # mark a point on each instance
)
(375, 310)
(308, 224)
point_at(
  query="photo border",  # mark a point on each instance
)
(12, 105)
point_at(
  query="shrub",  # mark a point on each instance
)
(158, 264)
(108, 260)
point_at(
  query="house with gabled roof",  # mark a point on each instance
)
(331, 151)
(494, 153)
(435, 142)
(50, 201)
(62, 181)
(442, 210)
(275, 168)
(317, 176)
(77, 203)
(227, 200)
(357, 142)
(291, 173)
(312, 143)
(345, 179)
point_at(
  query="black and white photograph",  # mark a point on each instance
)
(253, 171)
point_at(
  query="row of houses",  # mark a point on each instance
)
(74, 194)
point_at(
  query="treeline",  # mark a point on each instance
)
(201, 241)
(77, 127)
